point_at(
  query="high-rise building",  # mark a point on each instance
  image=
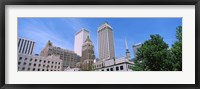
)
(127, 51)
(135, 48)
(80, 37)
(88, 56)
(105, 42)
(25, 46)
(69, 57)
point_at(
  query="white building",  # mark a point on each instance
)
(72, 69)
(80, 37)
(105, 42)
(119, 64)
(25, 46)
(136, 47)
(39, 63)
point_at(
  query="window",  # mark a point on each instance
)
(52, 62)
(39, 65)
(111, 69)
(23, 68)
(24, 63)
(117, 68)
(38, 69)
(51, 66)
(107, 69)
(59, 63)
(102, 70)
(40, 60)
(55, 66)
(35, 60)
(43, 65)
(42, 69)
(19, 63)
(25, 59)
(29, 64)
(31, 59)
(20, 58)
(28, 69)
(44, 61)
(121, 68)
(47, 70)
(58, 66)
(56, 62)
(48, 61)
(34, 64)
(33, 69)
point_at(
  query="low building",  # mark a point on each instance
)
(71, 69)
(39, 63)
(119, 64)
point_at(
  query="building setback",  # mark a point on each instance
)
(69, 57)
(38, 63)
(25, 46)
(80, 37)
(105, 42)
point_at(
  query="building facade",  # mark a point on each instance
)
(39, 63)
(119, 64)
(25, 46)
(80, 37)
(135, 48)
(105, 42)
(88, 56)
(69, 57)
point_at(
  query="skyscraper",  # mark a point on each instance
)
(25, 46)
(88, 56)
(80, 37)
(135, 48)
(105, 42)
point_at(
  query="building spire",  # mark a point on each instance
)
(126, 43)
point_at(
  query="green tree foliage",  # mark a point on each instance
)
(177, 49)
(155, 55)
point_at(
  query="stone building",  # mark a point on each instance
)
(69, 57)
(88, 56)
(38, 63)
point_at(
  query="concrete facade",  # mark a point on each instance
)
(69, 57)
(25, 46)
(80, 37)
(135, 48)
(119, 64)
(105, 42)
(39, 63)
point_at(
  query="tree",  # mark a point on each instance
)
(177, 49)
(152, 55)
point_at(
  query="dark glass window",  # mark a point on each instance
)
(29, 64)
(19, 63)
(31, 59)
(35, 60)
(117, 68)
(28, 69)
(33, 69)
(38, 69)
(25, 59)
(111, 69)
(121, 68)
(24, 63)
(23, 68)
(34, 64)
(20, 58)
(107, 69)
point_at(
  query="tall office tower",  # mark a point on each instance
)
(25, 46)
(87, 59)
(80, 37)
(105, 42)
(127, 51)
(69, 57)
(135, 48)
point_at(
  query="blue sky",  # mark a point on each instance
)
(61, 31)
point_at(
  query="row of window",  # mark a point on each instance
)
(20, 58)
(34, 69)
(116, 68)
(19, 63)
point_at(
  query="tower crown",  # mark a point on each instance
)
(104, 25)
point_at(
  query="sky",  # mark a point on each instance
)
(61, 31)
